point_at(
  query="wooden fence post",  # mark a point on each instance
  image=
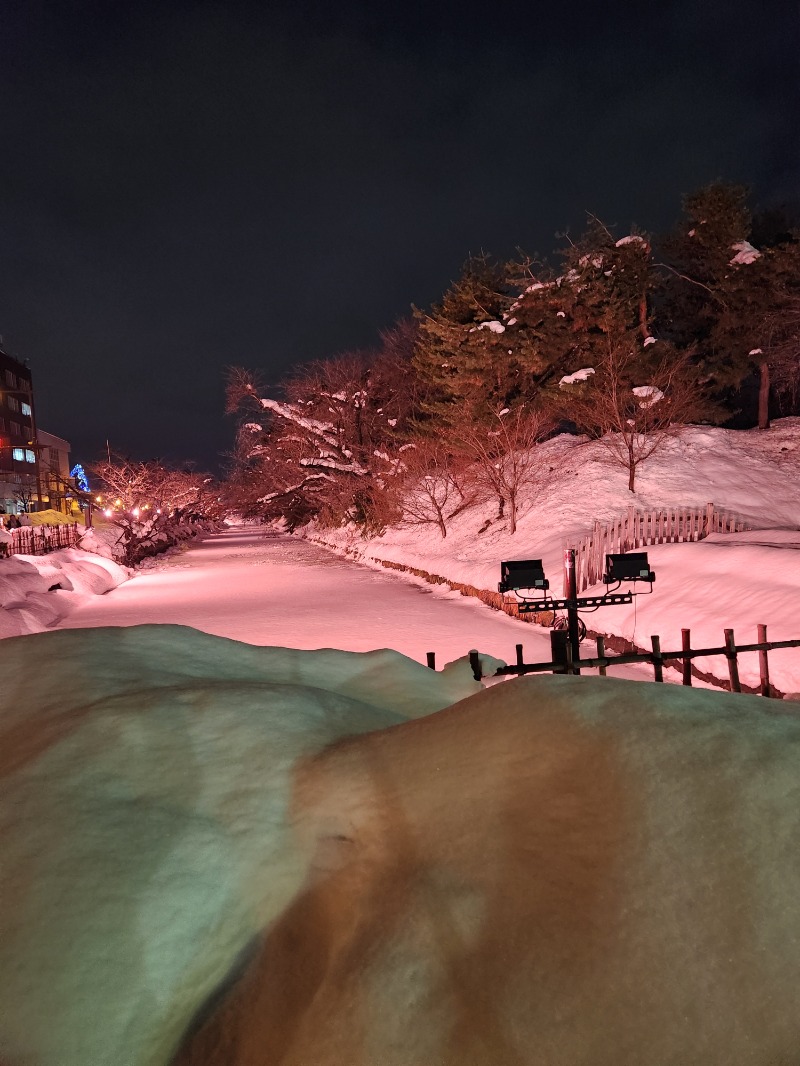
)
(475, 663)
(601, 654)
(559, 646)
(520, 660)
(763, 664)
(733, 665)
(570, 661)
(431, 657)
(686, 645)
(658, 662)
(708, 526)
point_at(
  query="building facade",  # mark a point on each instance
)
(58, 489)
(20, 473)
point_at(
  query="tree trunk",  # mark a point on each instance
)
(763, 396)
(644, 327)
(631, 476)
(512, 514)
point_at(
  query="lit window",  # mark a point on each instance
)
(29, 456)
(19, 454)
(26, 409)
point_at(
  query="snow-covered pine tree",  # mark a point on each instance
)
(725, 296)
(463, 353)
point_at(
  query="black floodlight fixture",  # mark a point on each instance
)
(631, 566)
(522, 574)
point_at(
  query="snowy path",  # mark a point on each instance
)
(283, 591)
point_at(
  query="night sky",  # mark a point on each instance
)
(188, 186)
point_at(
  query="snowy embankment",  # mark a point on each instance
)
(727, 581)
(37, 591)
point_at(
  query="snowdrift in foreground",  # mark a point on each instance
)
(227, 855)
(37, 591)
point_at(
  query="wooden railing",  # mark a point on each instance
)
(635, 529)
(38, 540)
(562, 662)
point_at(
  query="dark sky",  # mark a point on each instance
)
(187, 186)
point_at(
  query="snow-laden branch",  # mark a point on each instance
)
(353, 467)
(324, 430)
(293, 488)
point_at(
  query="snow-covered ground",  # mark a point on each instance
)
(729, 581)
(215, 854)
(285, 592)
(38, 591)
(258, 587)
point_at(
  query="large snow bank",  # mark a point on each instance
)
(37, 591)
(562, 869)
(144, 821)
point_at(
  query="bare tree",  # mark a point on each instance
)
(431, 490)
(504, 453)
(141, 498)
(632, 406)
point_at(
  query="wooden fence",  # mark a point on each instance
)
(38, 540)
(635, 529)
(562, 662)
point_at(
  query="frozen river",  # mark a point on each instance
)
(268, 589)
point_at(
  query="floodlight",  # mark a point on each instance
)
(522, 574)
(631, 566)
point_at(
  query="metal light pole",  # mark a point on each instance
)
(571, 597)
(526, 575)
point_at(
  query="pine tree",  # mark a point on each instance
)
(564, 321)
(724, 295)
(463, 354)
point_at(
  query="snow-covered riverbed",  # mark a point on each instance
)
(267, 589)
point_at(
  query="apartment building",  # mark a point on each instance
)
(20, 474)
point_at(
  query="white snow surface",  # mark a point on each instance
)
(726, 581)
(311, 858)
(284, 592)
(26, 603)
(580, 375)
(649, 394)
(216, 853)
(745, 253)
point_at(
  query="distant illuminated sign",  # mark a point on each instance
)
(81, 480)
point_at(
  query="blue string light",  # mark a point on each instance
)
(81, 479)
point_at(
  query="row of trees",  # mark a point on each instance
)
(625, 338)
(152, 504)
